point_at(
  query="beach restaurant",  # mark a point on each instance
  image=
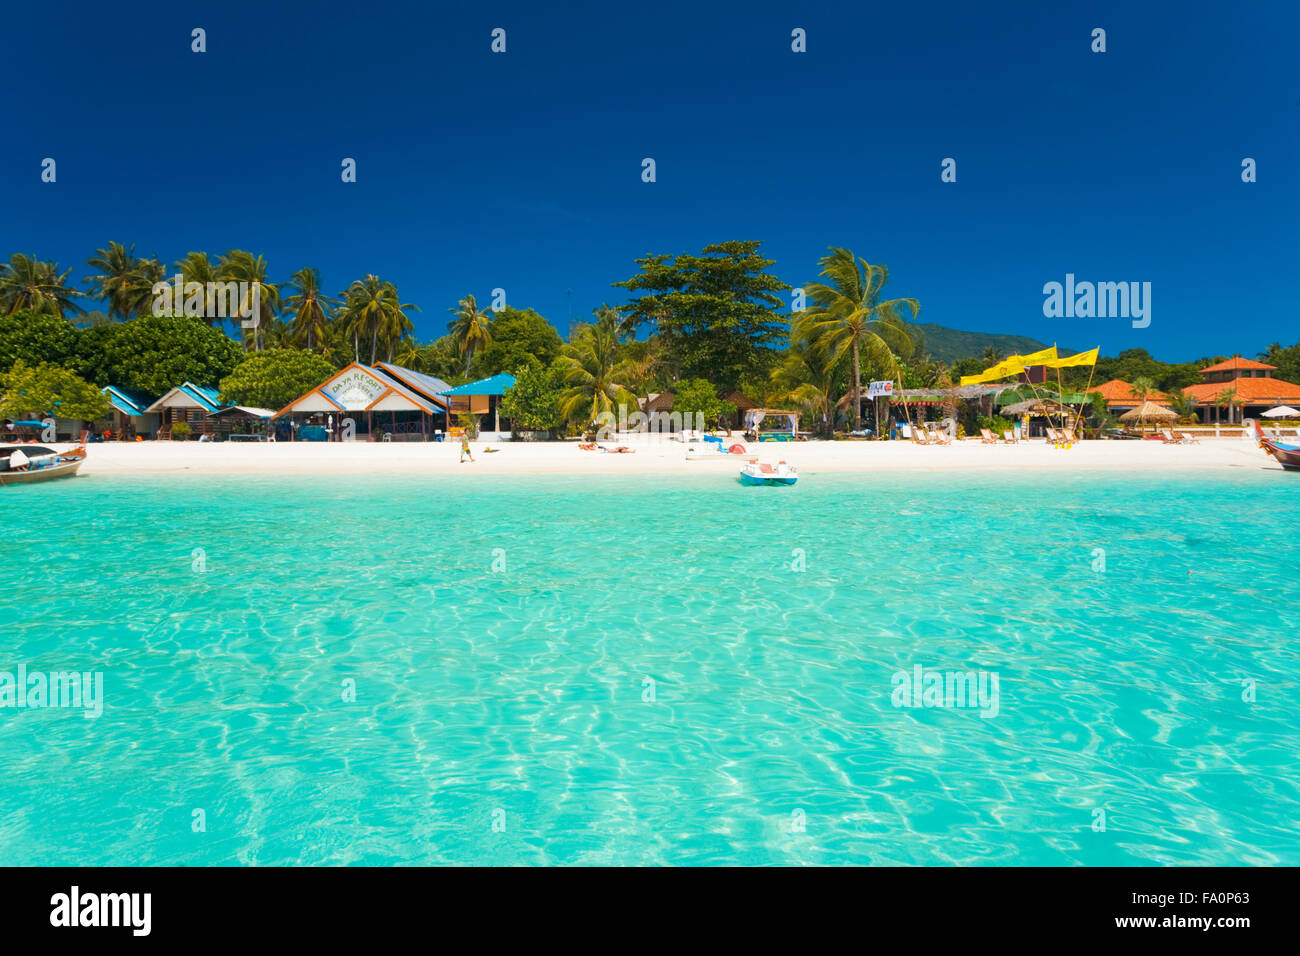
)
(398, 405)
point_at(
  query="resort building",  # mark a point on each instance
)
(381, 402)
(1252, 389)
(188, 403)
(127, 416)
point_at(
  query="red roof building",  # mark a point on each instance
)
(1119, 394)
(1256, 390)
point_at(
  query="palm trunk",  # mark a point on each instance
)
(857, 390)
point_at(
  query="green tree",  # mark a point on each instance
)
(36, 337)
(1141, 387)
(33, 392)
(1286, 359)
(813, 379)
(118, 279)
(240, 266)
(152, 354)
(197, 267)
(715, 312)
(588, 369)
(515, 335)
(849, 316)
(694, 396)
(372, 309)
(273, 378)
(471, 329)
(28, 284)
(311, 308)
(533, 402)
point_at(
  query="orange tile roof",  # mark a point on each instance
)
(1251, 391)
(1118, 390)
(1235, 363)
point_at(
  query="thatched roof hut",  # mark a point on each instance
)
(1150, 412)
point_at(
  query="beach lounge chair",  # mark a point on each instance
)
(1009, 437)
(937, 437)
(987, 437)
(1069, 436)
(1169, 438)
(1188, 438)
(919, 436)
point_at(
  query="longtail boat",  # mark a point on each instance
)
(43, 464)
(1287, 455)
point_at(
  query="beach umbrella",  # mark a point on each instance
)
(1282, 411)
(1150, 412)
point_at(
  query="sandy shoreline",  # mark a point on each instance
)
(654, 455)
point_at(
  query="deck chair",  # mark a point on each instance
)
(1009, 437)
(939, 438)
(919, 436)
(1188, 438)
(987, 437)
(1169, 438)
(1069, 436)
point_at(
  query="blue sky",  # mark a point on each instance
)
(523, 170)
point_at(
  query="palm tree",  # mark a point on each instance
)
(28, 283)
(372, 307)
(1141, 387)
(1228, 399)
(240, 266)
(118, 280)
(849, 315)
(139, 298)
(197, 267)
(471, 328)
(311, 308)
(813, 379)
(588, 367)
(1182, 403)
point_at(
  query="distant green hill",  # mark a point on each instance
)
(948, 345)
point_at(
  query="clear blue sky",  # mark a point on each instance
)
(523, 170)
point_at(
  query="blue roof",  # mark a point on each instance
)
(204, 396)
(496, 385)
(126, 401)
(428, 385)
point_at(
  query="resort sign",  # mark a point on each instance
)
(355, 389)
(880, 389)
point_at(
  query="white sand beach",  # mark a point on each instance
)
(654, 454)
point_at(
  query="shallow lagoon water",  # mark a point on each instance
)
(584, 670)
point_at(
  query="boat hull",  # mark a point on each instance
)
(1288, 456)
(748, 479)
(64, 468)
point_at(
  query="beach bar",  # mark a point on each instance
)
(480, 398)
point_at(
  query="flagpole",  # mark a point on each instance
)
(1091, 372)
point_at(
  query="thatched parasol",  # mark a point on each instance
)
(1150, 412)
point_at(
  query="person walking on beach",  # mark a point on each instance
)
(464, 449)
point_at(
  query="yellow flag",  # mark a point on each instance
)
(1009, 366)
(1044, 357)
(1083, 358)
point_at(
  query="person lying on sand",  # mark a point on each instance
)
(587, 446)
(620, 450)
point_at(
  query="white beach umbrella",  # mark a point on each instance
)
(1282, 411)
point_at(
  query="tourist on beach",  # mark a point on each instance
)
(464, 449)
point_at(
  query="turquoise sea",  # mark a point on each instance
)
(654, 670)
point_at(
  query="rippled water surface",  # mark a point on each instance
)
(583, 670)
